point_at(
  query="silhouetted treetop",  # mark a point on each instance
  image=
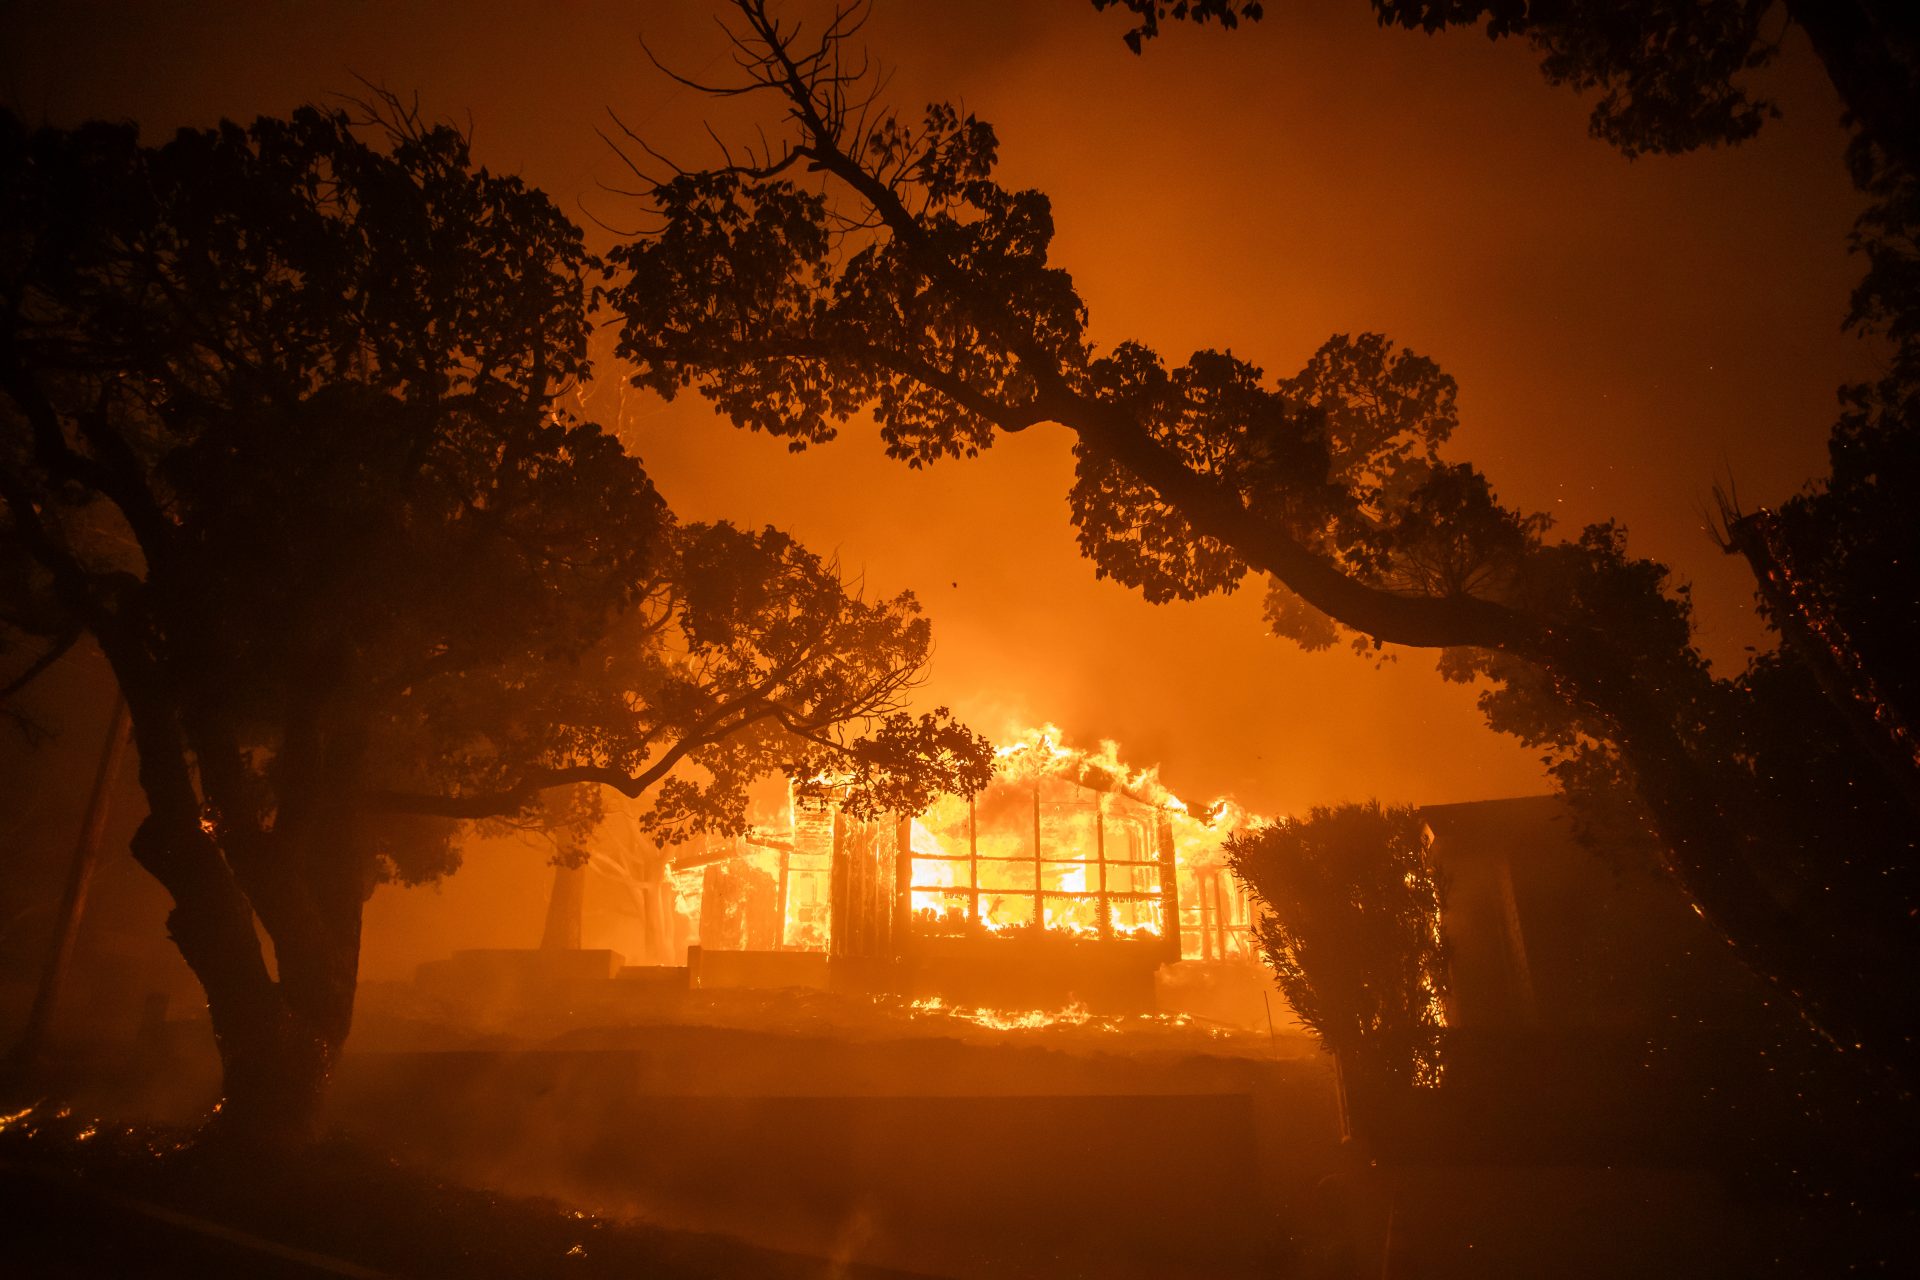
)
(821, 319)
(917, 287)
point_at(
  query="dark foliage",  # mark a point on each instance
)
(1151, 13)
(1668, 72)
(1351, 926)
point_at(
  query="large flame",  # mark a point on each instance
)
(1065, 841)
(1094, 849)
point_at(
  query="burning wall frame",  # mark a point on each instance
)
(1066, 863)
(1089, 864)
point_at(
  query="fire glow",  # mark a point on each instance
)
(1072, 1017)
(1064, 843)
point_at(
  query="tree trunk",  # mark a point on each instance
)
(40, 1021)
(274, 1075)
(278, 1039)
(278, 1035)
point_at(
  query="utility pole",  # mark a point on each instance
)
(73, 904)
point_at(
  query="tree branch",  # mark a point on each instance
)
(55, 651)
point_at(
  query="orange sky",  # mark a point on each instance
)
(1622, 333)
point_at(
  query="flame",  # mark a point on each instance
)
(1075, 1015)
(948, 847)
(1066, 841)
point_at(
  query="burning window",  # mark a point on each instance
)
(1040, 853)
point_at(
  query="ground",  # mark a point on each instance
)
(677, 1133)
(81, 1199)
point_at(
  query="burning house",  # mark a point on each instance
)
(1071, 877)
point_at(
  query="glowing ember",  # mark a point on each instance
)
(1032, 1020)
(1073, 1016)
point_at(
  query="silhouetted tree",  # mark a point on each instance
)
(1350, 924)
(743, 656)
(1671, 73)
(1838, 566)
(283, 433)
(1836, 712)
(911, 284)
(1151, 13)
